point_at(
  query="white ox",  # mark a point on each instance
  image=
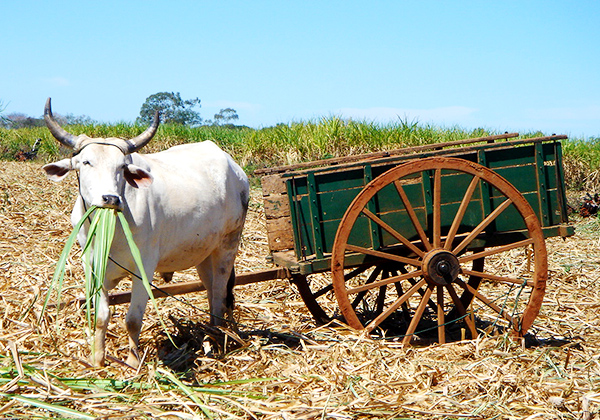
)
(186, 207)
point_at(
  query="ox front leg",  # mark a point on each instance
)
(135, 316)
(102, 318)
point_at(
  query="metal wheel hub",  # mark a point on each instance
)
(440, 267)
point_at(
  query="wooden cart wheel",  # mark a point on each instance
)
(429, 282)
(315, 292)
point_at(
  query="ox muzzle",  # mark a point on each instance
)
(111, 201)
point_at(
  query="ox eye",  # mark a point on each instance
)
(86, 162)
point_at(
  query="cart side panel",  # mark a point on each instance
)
(317, 200)
(277, 213)
(333, 204)
(536, 172)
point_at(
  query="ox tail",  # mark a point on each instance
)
(229, 301)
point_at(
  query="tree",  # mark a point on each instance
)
(3, 120)
(78, 120)
(172, 109)
(225, 116)
(17, 120)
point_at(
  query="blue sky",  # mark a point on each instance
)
(503, 65)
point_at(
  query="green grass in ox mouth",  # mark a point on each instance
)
(96, 253)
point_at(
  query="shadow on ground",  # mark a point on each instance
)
(193, 340)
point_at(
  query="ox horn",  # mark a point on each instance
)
(140, 141)
(66, 138)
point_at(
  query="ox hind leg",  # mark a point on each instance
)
(217, 275)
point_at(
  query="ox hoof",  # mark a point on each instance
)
(97, 362)
(133, 359)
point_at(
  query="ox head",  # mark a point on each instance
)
(104, 165)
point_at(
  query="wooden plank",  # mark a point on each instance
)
(273, 184)
(279, 234)
(286, 259)
(276, 206)
(277, 213)
(197, 286)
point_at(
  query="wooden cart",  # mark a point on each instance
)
(435, 242)
(432, 243)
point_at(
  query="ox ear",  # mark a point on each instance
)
(57, 171)
(138, 177)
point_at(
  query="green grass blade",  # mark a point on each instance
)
(96, 253)
(59, 271)
(186, 390)
(87, 267)
(92, 230)
(102, 243)
(88, 261)
(55, 408)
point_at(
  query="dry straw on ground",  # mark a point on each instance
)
(284, 366)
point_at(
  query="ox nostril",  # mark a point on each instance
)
(111, 200)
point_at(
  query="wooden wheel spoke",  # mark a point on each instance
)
(380, 300)
(356, 272)
(384, 282)
(413, 216)
(484, 223)
(497, 279)
(461, 213)
(383, 255)
(348, 276)
(488, 302)
(323, 290)
(392, 308)
(497, 250)
(437, 208)
(461, 310)
(392, 232)
(431, 304)
(400, 290)
(362, 293)
(417, 316)
(441, 318)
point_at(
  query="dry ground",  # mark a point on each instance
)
(298, 371)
